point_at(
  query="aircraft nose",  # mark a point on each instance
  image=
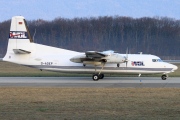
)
(175, 67)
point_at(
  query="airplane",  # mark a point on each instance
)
(22, 50)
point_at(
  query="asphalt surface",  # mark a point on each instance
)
(109, 82)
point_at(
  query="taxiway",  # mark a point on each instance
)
(111, 82)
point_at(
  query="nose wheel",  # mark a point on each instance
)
(164, 77)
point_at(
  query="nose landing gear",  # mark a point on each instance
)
(164, 77)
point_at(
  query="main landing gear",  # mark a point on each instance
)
(98, 76)
(164, 77)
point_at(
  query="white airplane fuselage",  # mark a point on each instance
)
(56, 59)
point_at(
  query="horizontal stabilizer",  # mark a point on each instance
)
(20, 51)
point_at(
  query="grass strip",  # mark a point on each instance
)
(89, 103)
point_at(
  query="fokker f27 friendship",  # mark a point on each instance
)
(22, 50)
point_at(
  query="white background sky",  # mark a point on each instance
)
(50, 9)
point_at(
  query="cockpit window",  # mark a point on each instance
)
(157, 60)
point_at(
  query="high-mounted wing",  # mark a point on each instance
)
(94, 54)
(89, 56)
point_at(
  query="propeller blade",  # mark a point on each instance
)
(126, 60)
(127, 53)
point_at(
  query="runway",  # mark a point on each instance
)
(108, 82)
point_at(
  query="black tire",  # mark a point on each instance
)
(95, 77)
(164, 77)
(101, 76)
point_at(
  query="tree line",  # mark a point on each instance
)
(159, 35)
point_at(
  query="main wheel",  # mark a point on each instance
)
(164, 77)
(95, 77)
(101, 76)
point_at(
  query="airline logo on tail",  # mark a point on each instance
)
(20, 35)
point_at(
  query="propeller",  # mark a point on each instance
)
(126, 58)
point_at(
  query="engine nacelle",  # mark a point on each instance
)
(115, 58)
(78, 58)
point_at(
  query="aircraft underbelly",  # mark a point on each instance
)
(78, 69)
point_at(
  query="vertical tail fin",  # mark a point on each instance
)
(19, 29)
(19, 36)
(20, 41)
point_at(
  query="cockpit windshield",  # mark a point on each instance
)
(157, 60)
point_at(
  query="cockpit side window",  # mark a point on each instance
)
(160, 60)
(153, 60)
(157, 60)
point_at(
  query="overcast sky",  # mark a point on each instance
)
(50, 9)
